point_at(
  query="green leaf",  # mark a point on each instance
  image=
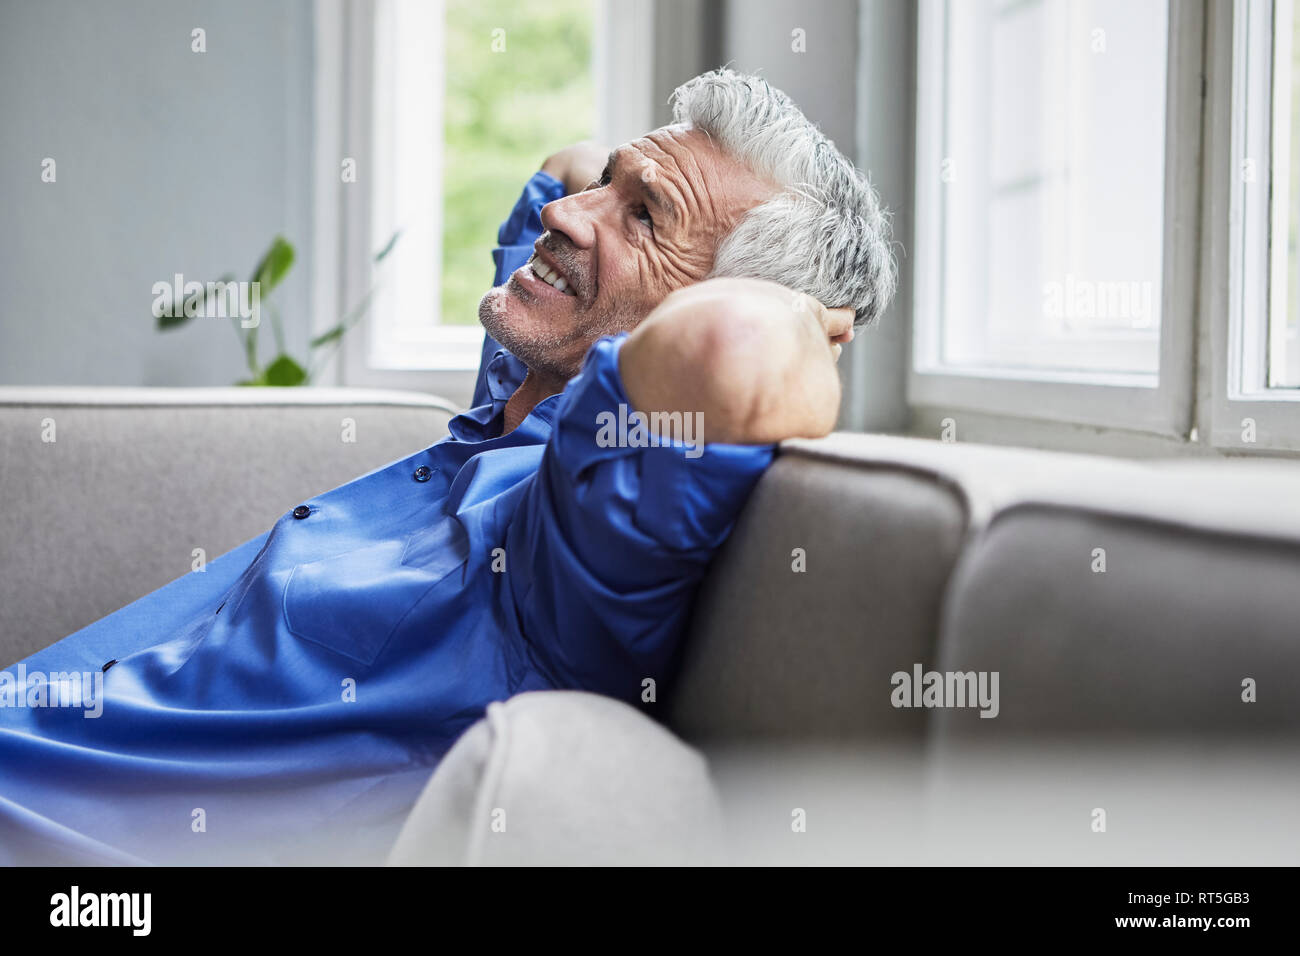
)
(172, 321)
(284, 371)
(332, 335)
(276, 328)
(176, 321)
(388, 247)
(274, 266)
(335, 334)
(250, 347)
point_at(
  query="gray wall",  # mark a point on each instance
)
(167, 161)
(875, 365)
(856, 81)
(756, 38)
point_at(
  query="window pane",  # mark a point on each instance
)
(512, 97)
(1053, 195)
(1284, 349)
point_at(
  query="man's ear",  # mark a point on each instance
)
(845, 337)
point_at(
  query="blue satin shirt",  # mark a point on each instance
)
(288, 703)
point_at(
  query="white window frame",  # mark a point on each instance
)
(1160, 404)
(1241, 231)
(407, 199)
(446, 360)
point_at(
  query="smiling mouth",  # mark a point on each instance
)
(550, 276)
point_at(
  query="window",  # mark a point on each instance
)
(470, 96)
(1051, 203)
(1265, 358)
(444, 108)
(1049, 139)
(1108, 201)
(1256, 382)
(1284, 323)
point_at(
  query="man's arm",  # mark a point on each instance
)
(754, 358)
(612, 534)
(577, 165)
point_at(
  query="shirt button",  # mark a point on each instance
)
(301, 511)
(422, 473)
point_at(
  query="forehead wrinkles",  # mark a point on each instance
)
(687, 188)
(722, 188)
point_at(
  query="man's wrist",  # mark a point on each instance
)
(576, 166)
(548, 179)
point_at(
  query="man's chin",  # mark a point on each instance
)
(501, 310)
(514, 322)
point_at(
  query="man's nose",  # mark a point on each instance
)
(575, 216)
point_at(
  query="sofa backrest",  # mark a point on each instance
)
(833, 576)
(964, 558)
(134, 480)
(1168, 607)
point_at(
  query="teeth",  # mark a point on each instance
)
(549, 276)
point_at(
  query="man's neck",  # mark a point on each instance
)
(532, 390)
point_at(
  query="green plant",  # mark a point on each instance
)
(283, 370)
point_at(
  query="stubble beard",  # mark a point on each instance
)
(544, 352)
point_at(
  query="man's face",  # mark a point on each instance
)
(649, 225)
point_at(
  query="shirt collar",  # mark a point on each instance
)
(485, 422)
(503, 377)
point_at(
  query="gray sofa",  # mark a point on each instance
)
(1142, 618)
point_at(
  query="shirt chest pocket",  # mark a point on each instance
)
(353, 602)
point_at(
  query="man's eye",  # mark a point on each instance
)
(644, 215)
(604, 178)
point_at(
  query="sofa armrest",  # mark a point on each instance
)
(564, 778)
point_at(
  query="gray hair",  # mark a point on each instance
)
(826, 233)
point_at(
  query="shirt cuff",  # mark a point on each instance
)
(524, 224)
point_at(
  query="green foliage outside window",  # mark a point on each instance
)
(504, 113)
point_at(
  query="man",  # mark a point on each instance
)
(290, 702)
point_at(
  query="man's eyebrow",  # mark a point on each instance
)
(651, 192)
(657, 198)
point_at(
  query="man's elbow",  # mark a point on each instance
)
(757, 371)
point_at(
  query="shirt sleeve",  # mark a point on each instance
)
(611, 538)
(515, 241)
